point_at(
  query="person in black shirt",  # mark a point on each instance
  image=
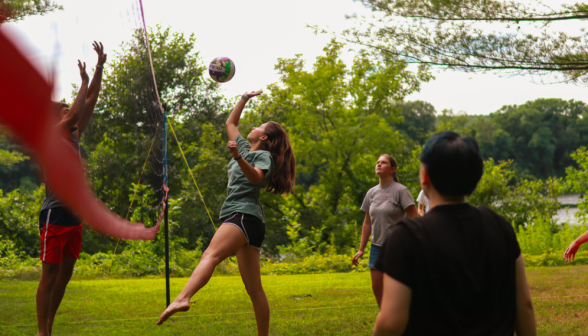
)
(458, 270)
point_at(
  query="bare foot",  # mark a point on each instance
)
(174, 307)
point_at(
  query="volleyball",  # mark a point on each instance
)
(221, 69)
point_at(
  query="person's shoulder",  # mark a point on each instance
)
(399, 186)
(261, 154)
(240, 139)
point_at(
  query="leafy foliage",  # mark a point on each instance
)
(456, 34)
(19, 219)
(522, 203)
(538, 136)
(14, 10)
(17, 170)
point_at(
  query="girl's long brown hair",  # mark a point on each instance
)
(278, 144)
(392, 164)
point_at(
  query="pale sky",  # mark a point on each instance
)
(254, 34)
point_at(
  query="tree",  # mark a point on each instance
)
(456, 34)
(14, 10)
(538, 136)
(19, 219)
(338, 120)
(419, 120)
(17, 170)
(521, 203)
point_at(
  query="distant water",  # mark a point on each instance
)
(568, 215)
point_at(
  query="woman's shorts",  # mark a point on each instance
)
(374, 253)
(252, 227)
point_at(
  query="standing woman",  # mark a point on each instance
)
(384, 205)
(264, 160)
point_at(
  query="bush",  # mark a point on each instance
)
(540, 238)
(555, 259)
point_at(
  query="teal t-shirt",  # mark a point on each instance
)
(242, 195)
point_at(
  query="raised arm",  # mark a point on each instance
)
(93, 90)
(70, 120)
(235, 116)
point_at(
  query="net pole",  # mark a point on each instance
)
(165, 218)
(167, 285)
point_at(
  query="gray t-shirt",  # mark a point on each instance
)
(386, 207)
(243, 196)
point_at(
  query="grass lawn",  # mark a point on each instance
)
(319, 304)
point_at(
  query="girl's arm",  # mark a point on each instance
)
(394, 314)
(235, 116)
(411, 211)
(570, 253)
(366, 232)
(254, 175)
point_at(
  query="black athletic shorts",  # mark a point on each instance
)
(252, 227)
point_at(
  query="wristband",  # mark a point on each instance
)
(100, 67)
(245, 97)
(238, 158)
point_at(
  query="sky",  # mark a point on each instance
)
(254, 34)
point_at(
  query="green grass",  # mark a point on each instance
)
(339, 304)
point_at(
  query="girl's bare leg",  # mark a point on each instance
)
(248, 258)
(226, 241)
(377, 284)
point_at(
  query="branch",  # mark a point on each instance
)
(511, 19)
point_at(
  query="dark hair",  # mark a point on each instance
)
(278, 144)
(392, 164)
(453, 163)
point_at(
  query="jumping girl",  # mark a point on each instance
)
(384, 205)
(264, 160)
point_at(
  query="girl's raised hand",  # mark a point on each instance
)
(83, 72)
(99, 48)
(252, 94)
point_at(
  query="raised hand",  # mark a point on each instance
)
(252, 94)
(99, 48)
(83, 72)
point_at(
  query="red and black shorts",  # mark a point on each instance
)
(61, 235)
